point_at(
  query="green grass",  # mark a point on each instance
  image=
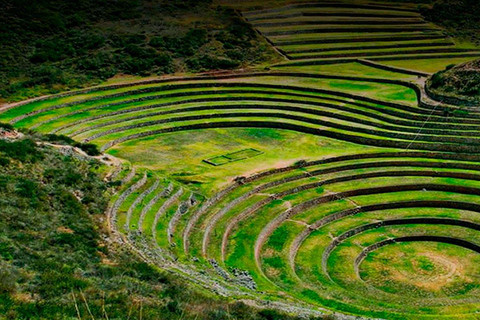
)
(338, 266)
(374, 90)
(301, 32)
(350, 36)
(329, 9)
(276, 244)
(354, 45)
(431, 65)
(421, 264)
(184, 153)
(233, 156)
(181, 159)
(369, 52)
(377, 28)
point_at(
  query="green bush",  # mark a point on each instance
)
(8, 278)
(22, 150)
(4, 162)
(436, 81)
(450, 66)
(89, 148)
(59, 139)
(6, 126)
(209, 62)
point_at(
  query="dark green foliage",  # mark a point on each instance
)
(47, 235)
(183, 46)
(115, 183)
(6, 126)
(8, 278)
(23, 150)
(89, 148)
(51, 45)
(437, 80)
(4, 161)
(461, 82)
(241, 311)
(209, 61)
(459, 17)
(450, 66)
(270, 315)
(59, 139)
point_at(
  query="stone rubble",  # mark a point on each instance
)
(6, 134)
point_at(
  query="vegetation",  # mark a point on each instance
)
(461, 82)
(52, 46)
(328, 182)
(89, 148)
(242, 230)
(459, 17)
(320, 34)
(54, 257)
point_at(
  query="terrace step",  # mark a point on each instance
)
(166, 191)
(138, 202)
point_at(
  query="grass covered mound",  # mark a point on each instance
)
(457, 84)
(54, 260)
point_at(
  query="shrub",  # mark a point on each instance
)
(60, 139)
(52, 50)
(89, 148)
(23, 150)
(450, 66)
(208, 62)
(137, 66)
(6, 126)
(157, 42)
(436, 81)
(4, 162)
(268, 314)
(8, 278)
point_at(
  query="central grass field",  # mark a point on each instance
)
(332, 182)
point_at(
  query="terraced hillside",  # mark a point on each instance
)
(327, 188)
(327, 32)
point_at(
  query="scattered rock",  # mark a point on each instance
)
(244, 278)
(7, 134)
(192, 200)
(224, 274)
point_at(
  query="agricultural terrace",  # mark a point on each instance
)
(335, 187)
(326, 32)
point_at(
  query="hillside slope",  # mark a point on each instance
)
(51, 46)
(458, 17)
(458, 84)
(55, 261)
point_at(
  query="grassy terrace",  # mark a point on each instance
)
(243, 227)
(322, 47)
(331, 33)
(349, 192)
